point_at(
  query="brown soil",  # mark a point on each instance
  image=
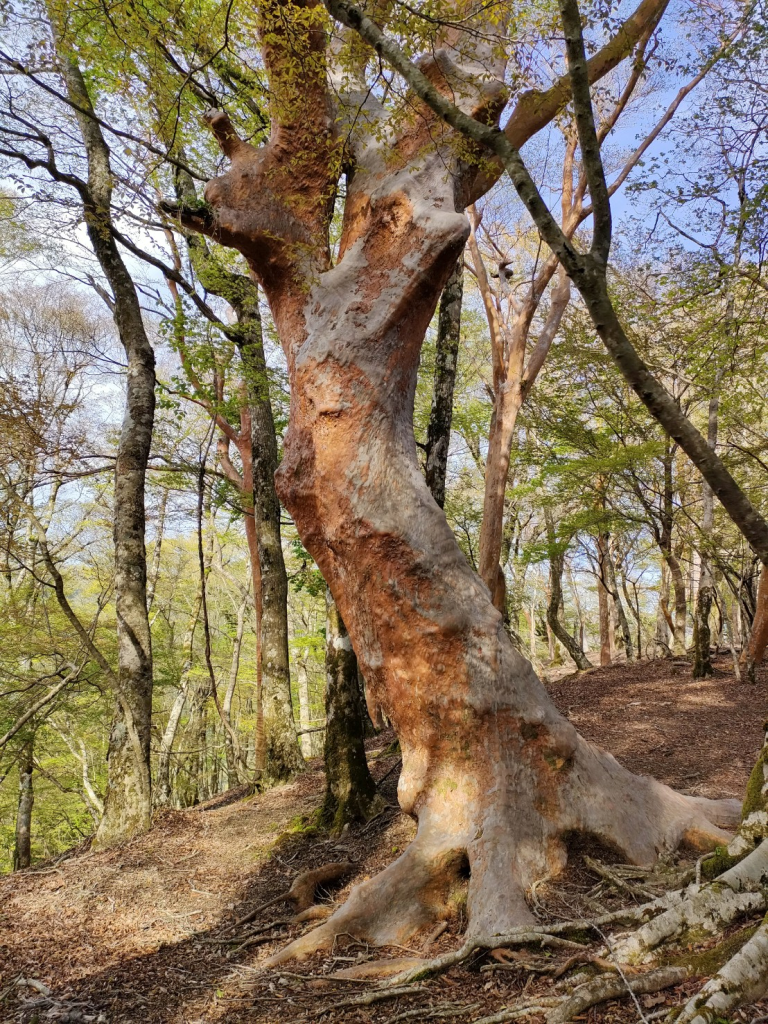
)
(701, 736)
(132, 935)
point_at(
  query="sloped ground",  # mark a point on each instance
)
(134, 934)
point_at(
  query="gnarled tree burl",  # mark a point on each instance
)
(495, 776)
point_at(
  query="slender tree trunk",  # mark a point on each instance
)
(163, 786)
(350, 792)
(446, 360)
(22, 852)
(603, 600)
(702, 638)
(621, 616)
(579, 609)
(758, 640)
(128, 801)
(634, 608)
(681, 605)
(556, 563)
(277, 752)
(728, 628)
(664, 625)
(281, 754)
(311, 742)
(233, 765)
(154, 574)
(530, 617)
(193, 790)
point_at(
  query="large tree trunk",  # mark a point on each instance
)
(446, 360)
(22, 851)
(128, 801)
(350, 792)
(495, 776)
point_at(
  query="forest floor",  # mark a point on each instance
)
(133, 934)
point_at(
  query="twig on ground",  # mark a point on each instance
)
(434, 935)
(622, 975)
(256, 940)
(7, 991)
(398, 764)
(436, 1012)
(375, 818)
(375, 996)
(581, 958)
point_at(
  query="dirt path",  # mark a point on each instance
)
(129, 935)
(701, 736)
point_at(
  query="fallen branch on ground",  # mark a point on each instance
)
(619, 883)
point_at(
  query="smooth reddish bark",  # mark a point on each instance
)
(495, 776)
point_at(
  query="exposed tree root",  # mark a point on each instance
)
(522, 1009)
(368, 998)
(611, 986)
(302, 890)
(743, 979)
(413, 893)
(542, 934)
(438, 1012)
(705, 910)
(317, 912)
(407, 896)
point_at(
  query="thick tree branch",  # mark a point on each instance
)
(586, 270)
